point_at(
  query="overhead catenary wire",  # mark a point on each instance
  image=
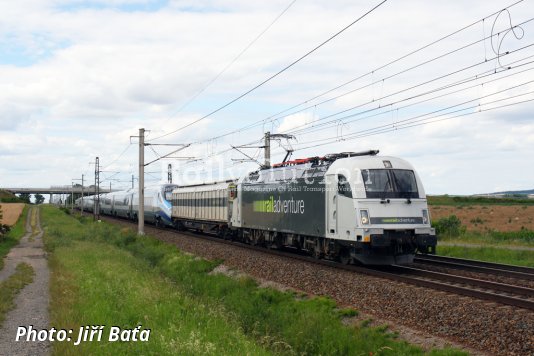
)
(189, 101)
(274, 116)
(412, 120)
(496, 57)
(274, 75)
(476, 76)
(418, 118)
(431, 120)
(119, 156)
(409, 125)
(315, 126)
(356, 78)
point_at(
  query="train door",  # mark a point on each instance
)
(230, 199)
(346, 212)
(331, 204)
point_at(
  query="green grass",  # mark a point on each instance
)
(521, 238)
(489, 254)
(10, 287)
(97, 284)
(470, 200)
(13, 237)
(103, 275)
(8, 197)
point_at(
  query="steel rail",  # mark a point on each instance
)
(451, 278)
(478, 266)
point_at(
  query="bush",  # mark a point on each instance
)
(450, 226)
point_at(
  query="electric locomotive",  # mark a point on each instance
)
(353, 207)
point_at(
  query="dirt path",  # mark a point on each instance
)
(32, 302)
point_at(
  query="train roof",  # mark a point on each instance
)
(317, 167)
(221, 185)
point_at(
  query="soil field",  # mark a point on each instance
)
(488, 217)
(11, 213)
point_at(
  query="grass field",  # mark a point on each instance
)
(488, 218)
(471, 200)
(490, 254)
(522, 238)
(102, 275)
(501, 229)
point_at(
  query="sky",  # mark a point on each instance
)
(445, 85)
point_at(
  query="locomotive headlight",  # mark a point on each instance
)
(364, 216)
(425, 216)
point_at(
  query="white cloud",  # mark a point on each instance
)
(82, 77)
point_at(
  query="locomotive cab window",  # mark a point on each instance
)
(343, 186)
(390, 183)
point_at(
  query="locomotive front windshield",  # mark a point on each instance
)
(168, 192)
(389, 183)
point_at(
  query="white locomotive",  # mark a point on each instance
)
(354, 207)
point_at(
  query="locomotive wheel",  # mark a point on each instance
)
(344, 257)
(317, 254)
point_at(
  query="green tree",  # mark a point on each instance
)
(39, 199)
(25, 197)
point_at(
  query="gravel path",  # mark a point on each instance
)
(32, 302)
(488, 328)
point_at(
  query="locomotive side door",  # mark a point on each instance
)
(331, 204)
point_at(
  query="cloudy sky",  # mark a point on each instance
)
(445, 85)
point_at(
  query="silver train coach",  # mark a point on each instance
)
(125, 204)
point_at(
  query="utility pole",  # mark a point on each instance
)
(267, 146)
(141, 214)
(267, 150)
(96, 200)
(132, 181)
(81, 210)
(142, 164)
(169, 173)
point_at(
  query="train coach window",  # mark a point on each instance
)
(343, 186)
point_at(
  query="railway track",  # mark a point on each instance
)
(495, 292)
(511, 271)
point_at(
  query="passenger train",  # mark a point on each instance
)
(351, 207)
(125, 204)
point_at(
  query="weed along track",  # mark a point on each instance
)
(485, 325)
(189, 307)
(30, 305)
